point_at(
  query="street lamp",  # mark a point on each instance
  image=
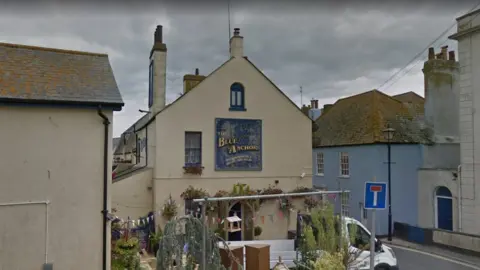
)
(388, 133)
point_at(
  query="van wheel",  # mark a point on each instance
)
(382, 267)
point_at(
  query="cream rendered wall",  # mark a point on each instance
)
(56, 155)
(469, 58)
(286, 135)
(132, 196)
(429, 180)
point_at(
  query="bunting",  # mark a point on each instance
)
(278, 216)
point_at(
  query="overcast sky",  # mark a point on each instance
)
(332, 51)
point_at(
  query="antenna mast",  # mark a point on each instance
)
(229, 27)
(301, 96)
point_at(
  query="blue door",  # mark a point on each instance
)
(444, 209)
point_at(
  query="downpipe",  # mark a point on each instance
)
(459, 202)
(106, 124)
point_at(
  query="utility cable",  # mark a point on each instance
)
(418, 55)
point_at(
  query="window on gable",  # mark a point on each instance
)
(320, 164)
(193, 148)
(344, 164)
(150, 85)
(237, 97)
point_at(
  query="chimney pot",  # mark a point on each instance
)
(197, 72)
(312, 103)
(316, 103)
(444, 52)
(451, 55)
(236, 31)
(431, 53)
(158, 37)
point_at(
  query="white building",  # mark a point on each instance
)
(468, 37)
(437, 178)
(232, 126)
(56, 110)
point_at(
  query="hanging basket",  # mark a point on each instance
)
(196, 170)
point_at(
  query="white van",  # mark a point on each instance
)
(286, 249)
(385, 258)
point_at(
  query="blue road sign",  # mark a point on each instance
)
(375, 195)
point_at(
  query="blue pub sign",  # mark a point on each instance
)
(238, 144)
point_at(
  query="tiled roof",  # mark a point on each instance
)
(37, 74)
(413, 101)
(127, 145)
(361, 119)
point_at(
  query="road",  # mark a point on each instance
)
(409, 259)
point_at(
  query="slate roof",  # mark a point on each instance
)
(31, 74)
(360, 119)
(127, 143)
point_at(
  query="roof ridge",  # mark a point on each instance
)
(406, 93)
(354, 96)
(49, 49)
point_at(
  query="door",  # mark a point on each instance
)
(444, 209)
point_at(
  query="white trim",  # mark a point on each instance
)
(344, 154)
(317, 154)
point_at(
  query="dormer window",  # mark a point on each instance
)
(237, 97)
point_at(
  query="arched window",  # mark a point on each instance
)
(443, 191)
(237, 97)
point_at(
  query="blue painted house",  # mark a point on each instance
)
(350, 149)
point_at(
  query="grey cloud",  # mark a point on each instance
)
(325, 48)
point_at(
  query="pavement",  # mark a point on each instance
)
(414, 256)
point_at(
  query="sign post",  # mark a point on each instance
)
(375, 198)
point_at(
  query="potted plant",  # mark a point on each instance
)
(125, 254)
(193, 169)
(257, 231)
(169, 208)
(155, 238)
(191, 193)
(310, 203)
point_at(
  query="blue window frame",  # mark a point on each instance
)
(237, 97)
(150, 85)
(193, 148)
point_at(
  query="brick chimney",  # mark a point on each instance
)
(312, 103)
(236, 44)
(191, 80)
(158, 70)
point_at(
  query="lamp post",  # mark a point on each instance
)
(388, 133)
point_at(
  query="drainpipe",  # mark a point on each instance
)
(459, 202)
(106, 124)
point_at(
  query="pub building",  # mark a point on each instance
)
(231, 130)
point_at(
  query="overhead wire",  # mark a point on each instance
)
(418, 55)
